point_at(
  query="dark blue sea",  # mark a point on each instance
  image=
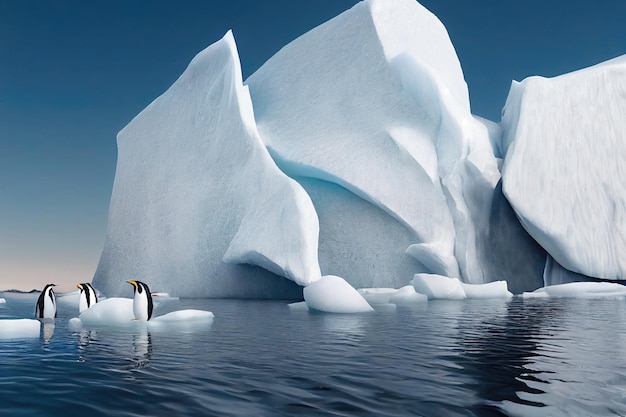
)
(538, 357)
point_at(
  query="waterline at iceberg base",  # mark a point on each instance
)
(353, 153)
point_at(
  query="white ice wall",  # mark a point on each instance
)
(196, 194)
(565, 166)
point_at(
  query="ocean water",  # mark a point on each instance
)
(539, 357)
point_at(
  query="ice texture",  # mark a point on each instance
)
(19, 328)
(197, 200)
(353, 152)
(375, 102)
(332, 294)
(565, 142)
(580, 290)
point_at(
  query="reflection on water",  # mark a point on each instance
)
(47, 330)
(446, 358)
(498, 349)
(142, 348)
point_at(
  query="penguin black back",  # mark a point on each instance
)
(141, 288)
(45, 302)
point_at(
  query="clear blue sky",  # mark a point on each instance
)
(73, 73)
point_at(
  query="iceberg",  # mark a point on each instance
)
(198, 208)
(373, 102)
(353, 153)
(565, 144)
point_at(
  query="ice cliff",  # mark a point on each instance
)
(353, 152)
(565, 167)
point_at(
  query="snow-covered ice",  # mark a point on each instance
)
(197, 199)
(353, 152)
(565, 141)
(119, 312)
(19, 328)
(580, 290)
(438, 287)
(332, 294)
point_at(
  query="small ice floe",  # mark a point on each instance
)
(3, 301)
(440, 287)
(298, 306)
(405, 296)
(332, 294)
(580, 290)
(112, 311)
(119, 312)
(19, 328)
(495, 289)
(181, 319)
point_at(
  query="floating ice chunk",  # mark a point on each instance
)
(112, 311)
(19, 328)
(377, 295)
(407, 296)
(186, 316)
(495, 289)
(333, 294)
(2, 301)
(438, 287)
(381, 296)
(580, 290)
(300, 305)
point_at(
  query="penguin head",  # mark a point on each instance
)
(88, 296)
(142, 302)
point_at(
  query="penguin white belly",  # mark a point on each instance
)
(140, 306)
(49, 308)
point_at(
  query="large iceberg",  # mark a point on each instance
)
(565, 143)
(353, 153)
(374, 102)
(197, 200)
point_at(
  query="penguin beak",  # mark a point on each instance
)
(79, 286)
(131, 282)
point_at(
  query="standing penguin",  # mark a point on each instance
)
(46, 307)
(88, 296)
(142, 303)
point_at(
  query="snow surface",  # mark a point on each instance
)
(196, 194)
(580, 290)
(402, 296)
(438, 287)
(117, 311)
(441, 287)
(564, 169)
(19, 328)
(373, 101)
(332, 294)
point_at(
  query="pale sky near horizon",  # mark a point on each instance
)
(74, 73)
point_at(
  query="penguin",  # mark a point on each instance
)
(142, 303)
(46, 307)
(88, 296)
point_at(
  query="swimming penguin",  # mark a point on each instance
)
(142, 303)
(46, 303)
(88, 296)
